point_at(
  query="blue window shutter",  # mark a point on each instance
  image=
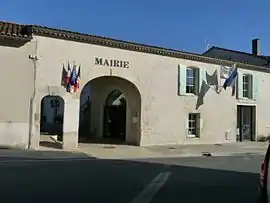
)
(255, 87)
(239, 85)
(182, 81)
(202, 77)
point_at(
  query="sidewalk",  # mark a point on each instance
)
(132, 152)
(44, 153)
(229, 149)
(109, 151)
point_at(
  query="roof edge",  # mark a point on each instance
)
(120, 44)
(15, 38)
(208, 50)
(15, 31)
(236, 51)
(132, 46)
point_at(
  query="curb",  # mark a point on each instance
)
(155, 156)
(25, 160)
(20, 157)
(187, 155)
(44, 160)
(47, 158)
(216, 154)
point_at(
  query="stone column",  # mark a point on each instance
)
(34, 126)
(71, 123)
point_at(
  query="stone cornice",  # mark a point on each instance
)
(131, 46)
(103, 41)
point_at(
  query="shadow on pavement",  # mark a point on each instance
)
(106, 141)
(99, 180)
(13, 154)
(194, 185)
(51, 144)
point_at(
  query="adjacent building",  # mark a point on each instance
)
(133, 93)
(252, 98)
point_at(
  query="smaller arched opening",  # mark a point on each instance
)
(51, 121)
(114, 118)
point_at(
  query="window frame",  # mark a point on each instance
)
(247, 87)
(195, 80)
(193, 125)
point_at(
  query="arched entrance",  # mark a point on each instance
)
(110, 110)
(114, 118)
(51, 119)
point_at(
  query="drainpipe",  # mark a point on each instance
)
(34, 59)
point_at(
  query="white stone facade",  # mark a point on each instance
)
(157, 109)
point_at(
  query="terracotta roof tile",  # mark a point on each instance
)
(14, 30)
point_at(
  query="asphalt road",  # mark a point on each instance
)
(187, 180)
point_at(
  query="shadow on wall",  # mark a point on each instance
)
(211, 82)
(12, 43)
(184, 184)
(63, 76)
(262, 138)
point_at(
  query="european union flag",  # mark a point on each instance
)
(232, 77)
(73, 77)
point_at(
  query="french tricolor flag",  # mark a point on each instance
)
(77, 82)
(68, 78)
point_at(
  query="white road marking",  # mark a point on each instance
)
(147, 194)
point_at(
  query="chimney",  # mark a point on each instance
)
(255, 47)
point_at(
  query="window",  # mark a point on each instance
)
(247, 86)
(192, 81)
(193, 125)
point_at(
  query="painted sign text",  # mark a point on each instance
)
(111, 63)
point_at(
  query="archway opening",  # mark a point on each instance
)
(51, 121)
(114, 118)
(110, 109)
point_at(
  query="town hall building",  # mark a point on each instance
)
(85, 88)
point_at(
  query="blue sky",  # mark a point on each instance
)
(176, 24)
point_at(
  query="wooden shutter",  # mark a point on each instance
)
(182, 81)
(202, 77)
(255, 87)
(240, 85)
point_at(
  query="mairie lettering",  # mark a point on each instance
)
(111, 63)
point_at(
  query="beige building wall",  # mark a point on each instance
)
(17, 78)
(156, 113)
(261, 102)
(164, 114)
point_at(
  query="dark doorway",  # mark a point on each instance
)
(246, 121)
(85, 121)
(114, 119)
(51, 120)
(51, 117)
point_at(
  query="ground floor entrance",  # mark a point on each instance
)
(114, 119)
(246, 121)
(112, 113)
(51, 121)
(106, 110)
